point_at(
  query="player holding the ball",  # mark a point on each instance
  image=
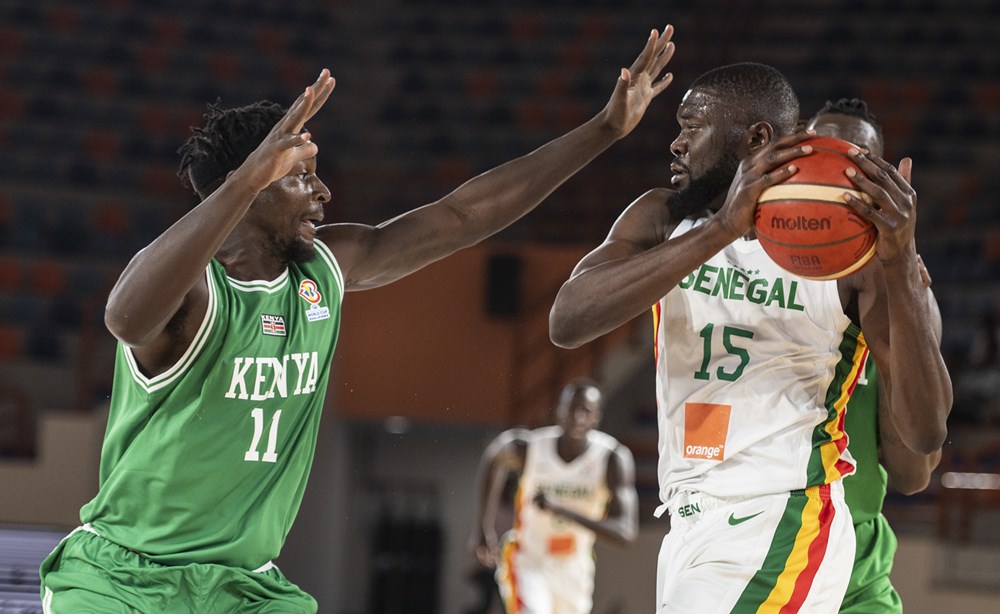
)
(881, 457)
(755, 364)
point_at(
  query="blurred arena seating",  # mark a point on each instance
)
(96, 97)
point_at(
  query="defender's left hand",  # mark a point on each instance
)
(638, 84)
(893, 204)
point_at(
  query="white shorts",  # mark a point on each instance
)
(788, 552)
(544, 584)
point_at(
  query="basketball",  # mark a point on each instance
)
(804, 224)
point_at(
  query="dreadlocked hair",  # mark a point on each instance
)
(761, 91)
(852, 107)
(225, 141)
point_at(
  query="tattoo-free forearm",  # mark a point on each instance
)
(154, 284)
(920, 387)
(603, 296)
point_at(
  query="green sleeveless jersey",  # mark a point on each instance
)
(207, 462)
(865, 490)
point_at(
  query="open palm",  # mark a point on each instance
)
(640, 83)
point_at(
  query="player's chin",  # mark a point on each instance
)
(302, 250)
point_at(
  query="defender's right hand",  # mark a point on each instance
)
(286, 144)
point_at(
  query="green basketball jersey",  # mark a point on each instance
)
(865, 490)
(207, 462)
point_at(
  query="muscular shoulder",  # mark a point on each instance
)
(647, 220)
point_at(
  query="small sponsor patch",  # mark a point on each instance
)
(310, 291)
(706, 427)
(272, 325)
(316, 313)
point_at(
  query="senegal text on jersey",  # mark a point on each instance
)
(735, 285)
(271, 376)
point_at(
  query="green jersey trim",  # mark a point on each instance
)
(270, 287)
(331, 261)
(152, 384)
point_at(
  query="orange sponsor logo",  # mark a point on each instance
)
(706, 426)
(562, 545)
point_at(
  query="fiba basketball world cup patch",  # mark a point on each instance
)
(310, 292)
(272, 325)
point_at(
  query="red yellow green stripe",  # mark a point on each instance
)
(512, 598)
(797, 550)
(829, 439)
(656, 332)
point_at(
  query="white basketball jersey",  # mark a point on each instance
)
(754, 367)
(580, 485)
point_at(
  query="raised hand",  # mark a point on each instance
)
(286, 143)
(892, 202)
(640, 83)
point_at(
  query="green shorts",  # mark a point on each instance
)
(89, 574)
(870, 589)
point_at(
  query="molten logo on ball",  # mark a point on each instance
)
(800, 223)
(804, 224)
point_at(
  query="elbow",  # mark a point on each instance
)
(626, 536)
(565, 328)
(929, 440)
(562, 332)
(562, 337)
(910, 484)
(118, 323)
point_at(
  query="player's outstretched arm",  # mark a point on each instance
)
(504, 455)
(620, 524)
(896, 315)
(486, 204)
(166, 278)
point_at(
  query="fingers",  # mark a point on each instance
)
(906, 170)
(322, 94)
(770, 158)
(663, 83)
(794, 138)
(778, 175)
(666, 51)
(881, 172)
(647, 53)
(307, 104)
(313, 98)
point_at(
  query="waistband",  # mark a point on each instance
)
(688, 505)
(90, 529)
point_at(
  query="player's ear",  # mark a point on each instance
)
(758, 135)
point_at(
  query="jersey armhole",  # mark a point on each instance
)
(153, 384)
(327, 256)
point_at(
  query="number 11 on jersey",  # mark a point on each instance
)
(270, 455)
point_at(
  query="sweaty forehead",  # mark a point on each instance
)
(704, 102)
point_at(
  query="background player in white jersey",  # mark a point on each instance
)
(228, 322)
(754, 364)
(874, 441)
(574, 484)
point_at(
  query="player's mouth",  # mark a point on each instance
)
(309, 222)
(679, 174)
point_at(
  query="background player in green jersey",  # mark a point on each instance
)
(874, 440)
(227, 323)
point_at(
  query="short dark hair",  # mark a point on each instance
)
(760, 90)
(224, 142)
(852, 107)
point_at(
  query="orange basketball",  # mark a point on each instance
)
(804, 224)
